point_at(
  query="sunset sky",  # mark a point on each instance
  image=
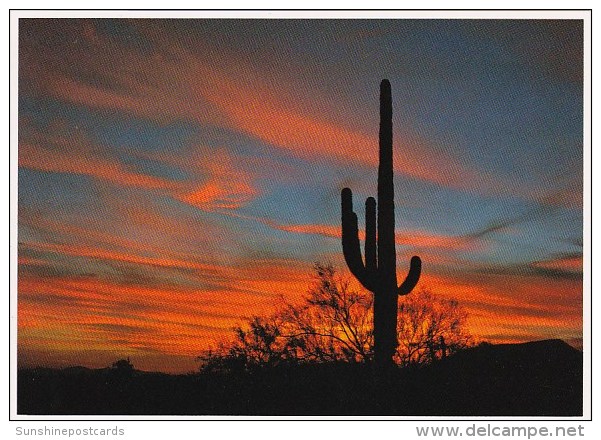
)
(178, 176)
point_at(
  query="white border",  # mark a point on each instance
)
(304, 14)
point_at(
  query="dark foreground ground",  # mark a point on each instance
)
(541, 378)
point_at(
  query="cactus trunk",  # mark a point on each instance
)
(378, 273)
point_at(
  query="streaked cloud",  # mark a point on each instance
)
(227, 186)
(81, 159)
(243, 100)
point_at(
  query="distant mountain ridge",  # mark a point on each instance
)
(532, 378)
(539, 378)
(534, 351)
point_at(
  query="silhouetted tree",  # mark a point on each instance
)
(261, 343)
(123, 365)
(378, 273)
(220, 360)
(334, 323)
(429, 328)
(122, 370)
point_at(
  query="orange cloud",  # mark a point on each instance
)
(421, 239)
(90, 314)
(567, 264)
(81, 159)
(242, 99)
(256, 110)
(217, 180)
(513, 305)
(323, 230)
(101, 236)
(67, 313)
(188, 80)
(415, 239)
(97, 253)
(23, 261)
(228, 185)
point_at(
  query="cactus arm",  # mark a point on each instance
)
(371, 264)
(415, 269)
(350, 236)
(350, 241)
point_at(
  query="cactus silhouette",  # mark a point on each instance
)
(378, 273)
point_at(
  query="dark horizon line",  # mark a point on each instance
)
(480, 344)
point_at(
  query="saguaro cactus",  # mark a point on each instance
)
(378, 272)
